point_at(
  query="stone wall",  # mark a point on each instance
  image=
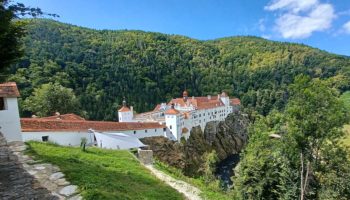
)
(145, 156)
(16, 182)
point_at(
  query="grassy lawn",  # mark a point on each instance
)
(104, 174)
(209, 192)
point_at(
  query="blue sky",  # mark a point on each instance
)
(324, 24)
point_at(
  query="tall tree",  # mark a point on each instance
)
(11, 31)
(51, 98)
(308, 161)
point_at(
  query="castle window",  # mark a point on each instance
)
(164, 129)
(171, 127)
(145, 131)
(2, 103)
(155, 130)
(134, 132)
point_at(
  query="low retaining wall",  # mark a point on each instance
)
(145, 156)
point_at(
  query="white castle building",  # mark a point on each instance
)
(181, 114)
(173, 120)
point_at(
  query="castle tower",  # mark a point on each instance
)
(173, 121)
(225, 98)
(125, 114)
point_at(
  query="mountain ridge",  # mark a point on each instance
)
(103, 67)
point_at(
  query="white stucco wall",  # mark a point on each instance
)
(73, 138)
(61, 138)
(143, 133)
(174, 124)
(9, 120)
(126, 116)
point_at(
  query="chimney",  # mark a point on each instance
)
(218, 96)
(132, 108)
(209, 97)
(193, 97)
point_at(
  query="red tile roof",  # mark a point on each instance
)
(172, 111)
(198, 102)
(124, 109)
(61, 125)
(9, 90)
(70, 116)
(235, 101)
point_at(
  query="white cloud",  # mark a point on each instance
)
(291, 5)
(346, 27)
(300, 18)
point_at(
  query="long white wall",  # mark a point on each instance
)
(9, 120)
(61, 138)
(142, 133)
(73, 138)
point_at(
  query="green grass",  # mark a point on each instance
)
(104, 174)
(210, 191)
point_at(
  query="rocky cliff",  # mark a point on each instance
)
(226, 138)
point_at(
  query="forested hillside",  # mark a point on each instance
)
(103, 66)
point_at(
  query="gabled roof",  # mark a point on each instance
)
(124, 109)
(9, 90)
(61, 125)
(172, 111)
(198, 102)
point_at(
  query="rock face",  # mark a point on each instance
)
(166, 150)
(226, 138)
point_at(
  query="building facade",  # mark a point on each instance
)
(180, 115)
(9, 114)
(69, 129)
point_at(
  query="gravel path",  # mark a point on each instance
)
(190, 192)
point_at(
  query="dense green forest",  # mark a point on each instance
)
(103, 66)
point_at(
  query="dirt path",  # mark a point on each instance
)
(190, 192)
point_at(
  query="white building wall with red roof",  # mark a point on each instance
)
(73, 138)
(126, 116)
(66, 138)
(174, 124)
(9, 120)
